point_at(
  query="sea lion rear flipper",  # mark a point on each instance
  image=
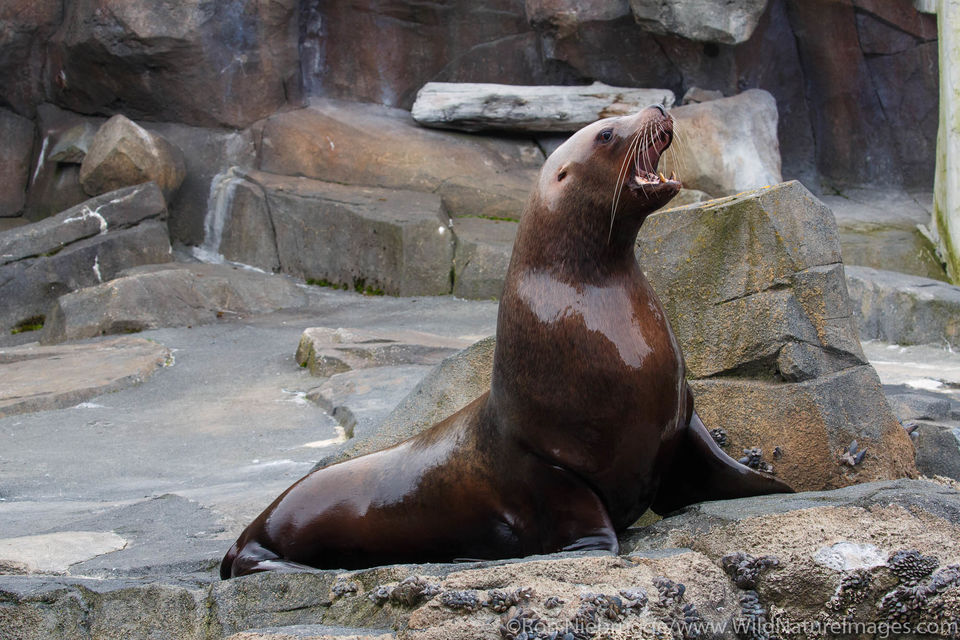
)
(701, 471)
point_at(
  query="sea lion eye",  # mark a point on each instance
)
(605, 136)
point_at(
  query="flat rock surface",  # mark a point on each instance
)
(178, 465)
(55, 552)
(82, 371)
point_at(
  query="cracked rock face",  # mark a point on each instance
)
(754, 288)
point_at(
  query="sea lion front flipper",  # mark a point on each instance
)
(579, 520)
(702, 471)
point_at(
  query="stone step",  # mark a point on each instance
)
(904, 309)
(364, 238)
(169, 295)
(880, 228)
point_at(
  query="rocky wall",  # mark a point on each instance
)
(856, 81)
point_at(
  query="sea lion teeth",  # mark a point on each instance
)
(662, 177)
(673, 176)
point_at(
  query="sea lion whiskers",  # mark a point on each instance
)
(631, 153)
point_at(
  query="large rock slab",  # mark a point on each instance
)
(480, 107)
(904, 309)
(82, 246)
(326, 351)
(36, 378)
(376, 146)
(755, 290)
(400, 242)
(173, 295)
(186, 61)
(885, 228)
(17, 135)
(726, 146)
(717, 21)
(123, 154)
(483, 254)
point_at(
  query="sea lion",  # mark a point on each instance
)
(588, 422)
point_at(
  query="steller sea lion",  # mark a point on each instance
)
(588, 422)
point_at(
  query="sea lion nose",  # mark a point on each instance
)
(663, 111)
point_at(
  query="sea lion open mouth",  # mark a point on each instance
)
(654, 139)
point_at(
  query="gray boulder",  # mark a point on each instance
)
(400, 242)
(171, 295)
(544, 108)
(754, 288)
(904, 309)
(361, 144)
(704, 21)
(727, 145)
(482, 256)
(17, 135)
(855, 554)
(938, 449)
(83, 246)
(124, 154)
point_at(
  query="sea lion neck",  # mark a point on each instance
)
(581, 248)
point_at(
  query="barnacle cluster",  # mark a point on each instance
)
(754, 625)
(670, 592)
(342, 587)
(720, 437)
(500, 601)
(851, 592)
(409, 592)
(935, 599)
(635, 599)
(911, 566)
(852, 455)
(753, 458)
(745, 569)
(467, 601)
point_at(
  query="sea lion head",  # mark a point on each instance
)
(609, 169)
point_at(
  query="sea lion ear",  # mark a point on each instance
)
(562, 173)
